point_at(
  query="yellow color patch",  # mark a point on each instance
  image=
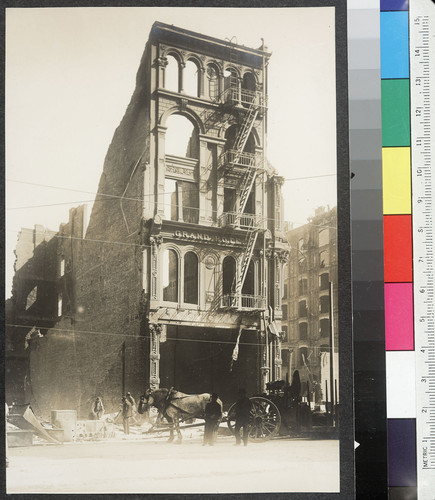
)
(396, 177)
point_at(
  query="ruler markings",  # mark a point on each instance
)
(421, 21)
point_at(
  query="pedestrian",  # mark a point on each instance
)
(133, 407)
(127, 413)
(213, 417)
(242, 410)
(97, 409)
(131, 399)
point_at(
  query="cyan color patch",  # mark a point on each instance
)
(394, 45)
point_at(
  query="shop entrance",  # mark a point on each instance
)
(196, 360)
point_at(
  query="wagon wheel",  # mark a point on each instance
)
(264, 422)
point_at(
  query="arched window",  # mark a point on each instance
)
(213, 82)
(324, 304)
(231, 136)
(172, 74)
(230, 79)
(248, 82)
(324, 328)
(229, 273)
(303, 331)
(210, 277)
(191, 79)
(181, 137)
(191, 278)
(303, 311)
(170, 275)
(181, 196)
(248, 89)
(249, 283)
(324, 281)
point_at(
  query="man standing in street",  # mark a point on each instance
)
(127, 413)
(98, 409)
(242, 411)
(213, 417)
(132, 401)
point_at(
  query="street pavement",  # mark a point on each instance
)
(137, 464)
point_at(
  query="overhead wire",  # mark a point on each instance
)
(145, 337)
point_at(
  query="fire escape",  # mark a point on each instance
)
(245, 166)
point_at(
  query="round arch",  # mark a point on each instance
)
(194, 58)
(252, 74)
(188, 113)
(229, 272)
(232, 69)
(173, 52)
(254, 134)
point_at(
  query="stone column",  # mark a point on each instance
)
(161, 63)
(181, 67)
(201, 86)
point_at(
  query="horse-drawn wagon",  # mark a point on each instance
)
(279, 411)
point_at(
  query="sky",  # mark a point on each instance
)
(70, 74)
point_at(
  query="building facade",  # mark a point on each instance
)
(310, 317)
(177, 279)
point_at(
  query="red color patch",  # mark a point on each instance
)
(397, 248)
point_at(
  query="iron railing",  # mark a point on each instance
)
(244, 302)
(242, 221)
(234, 95)
(233, 158)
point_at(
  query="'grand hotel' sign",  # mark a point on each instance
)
(208, 238)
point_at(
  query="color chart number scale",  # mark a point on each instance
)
(422, 44)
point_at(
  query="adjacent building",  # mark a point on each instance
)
(309, 309)
(178, 277)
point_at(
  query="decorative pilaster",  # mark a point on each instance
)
(155, 242)
(155, 332)
(278, 359)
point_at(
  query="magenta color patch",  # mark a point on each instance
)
(399, 318)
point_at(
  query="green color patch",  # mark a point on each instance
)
(395, 113)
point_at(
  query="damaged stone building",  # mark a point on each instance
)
(177, 278)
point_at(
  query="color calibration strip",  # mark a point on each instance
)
(398, 270)
(367, 247)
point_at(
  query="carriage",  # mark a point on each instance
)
(279, 411)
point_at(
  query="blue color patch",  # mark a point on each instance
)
(394, 5)
(394, 45)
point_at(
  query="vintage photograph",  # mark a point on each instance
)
(172, 264)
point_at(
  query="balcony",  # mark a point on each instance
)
(238, 163)
(235, 96)
(240, 221)
(243, 302)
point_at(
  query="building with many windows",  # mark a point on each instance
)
(177, 279)
(308, 320)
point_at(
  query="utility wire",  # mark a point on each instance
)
(146, 337)
(122, 243)
(145, 194)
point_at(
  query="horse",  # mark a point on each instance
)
(175, 406)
